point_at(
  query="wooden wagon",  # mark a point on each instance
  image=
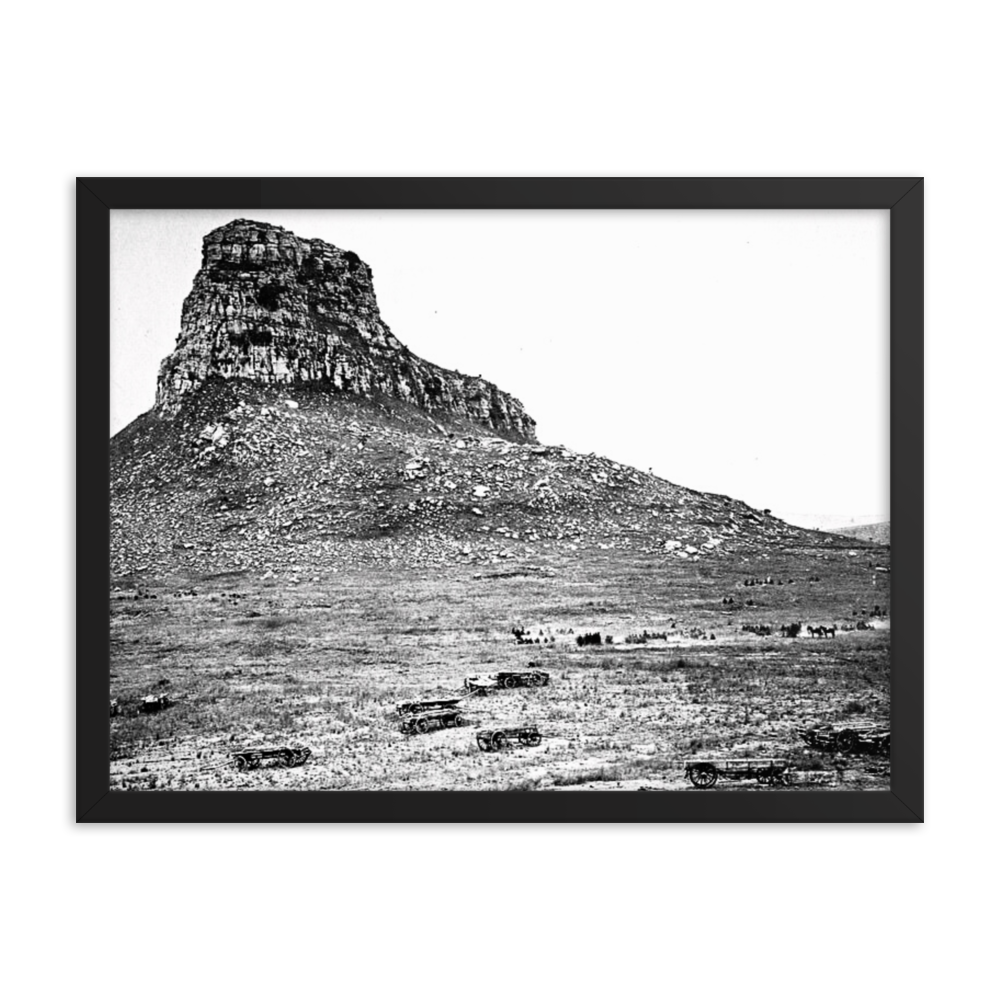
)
(423, 722)
(766, 771)
(481, 683)
(427, 705)
(847, 739)
(500, 739)
(253, 757)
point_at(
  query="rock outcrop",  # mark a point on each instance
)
(272, 308)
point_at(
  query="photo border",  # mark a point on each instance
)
(903, 196)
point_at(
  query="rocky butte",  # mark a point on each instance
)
(292, 429)
(272, 308)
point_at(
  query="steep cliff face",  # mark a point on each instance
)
(270, 307)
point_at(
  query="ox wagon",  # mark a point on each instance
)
(766, 771)
(423, 722)
(251, 758)
(481, 683)
(500, 739)
(428, 705)
(847, 739)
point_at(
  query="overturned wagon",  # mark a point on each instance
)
(766, 771)
(251, 758)
(847, 739)
(500, 739)
(481, 683)
(424, 722)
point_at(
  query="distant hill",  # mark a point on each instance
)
(877, 533)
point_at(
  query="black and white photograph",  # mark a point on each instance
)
(500, 501)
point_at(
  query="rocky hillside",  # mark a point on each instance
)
(254, 476)
(276, 309)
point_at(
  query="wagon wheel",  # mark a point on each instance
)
(534, 739)
(242, 763)
(510, 682)
(704, 776)
(457, 720)
(289, 758)
(764, 777)
(847, 741)
(422, 725)
(499, 741)
(483, 741)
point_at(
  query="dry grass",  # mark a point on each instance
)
(324, 663)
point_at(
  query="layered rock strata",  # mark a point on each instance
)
(270, 307)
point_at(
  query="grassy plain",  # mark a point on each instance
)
(323, 661)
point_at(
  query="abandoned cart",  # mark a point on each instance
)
(705, 773)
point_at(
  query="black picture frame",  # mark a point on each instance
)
(904, 198)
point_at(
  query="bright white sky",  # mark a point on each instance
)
(736, 352)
